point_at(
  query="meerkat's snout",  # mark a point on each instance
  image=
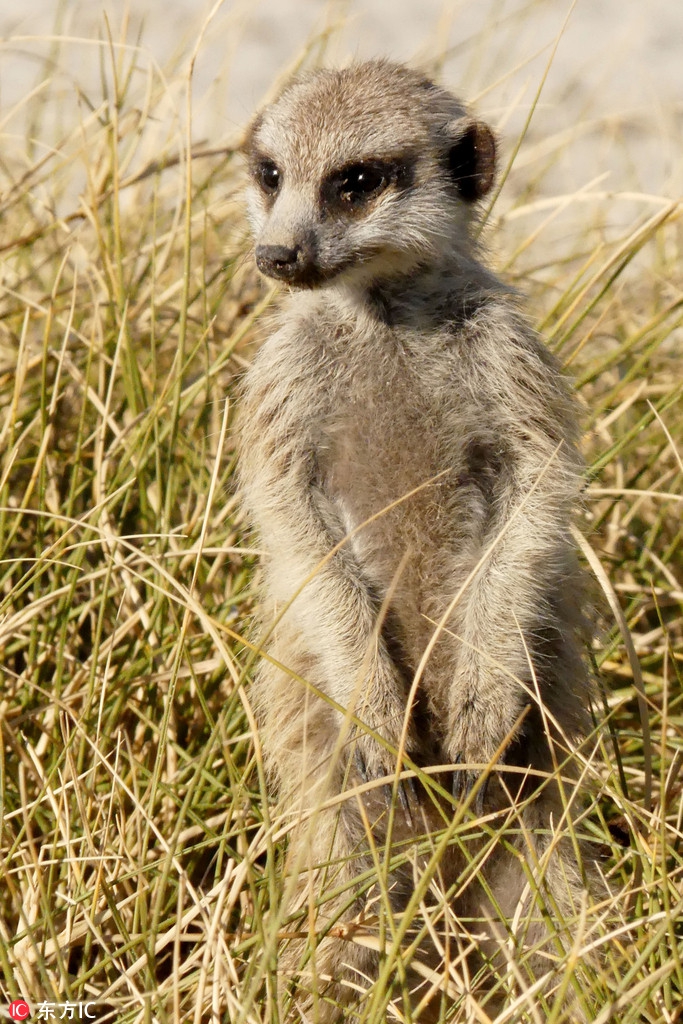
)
(286, 263)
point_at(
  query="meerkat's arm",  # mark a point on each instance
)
(309, 567)
(507, 623)
(500, 608)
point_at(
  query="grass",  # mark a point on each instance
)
(140, 861)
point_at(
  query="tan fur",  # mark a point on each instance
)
(409, 459)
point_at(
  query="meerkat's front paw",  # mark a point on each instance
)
(481, 740)
(469, 748)
(470, 783)
(373, 761)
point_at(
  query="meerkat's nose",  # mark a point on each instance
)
(278, 260)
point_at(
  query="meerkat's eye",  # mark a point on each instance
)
(268, 176)
(361, 181)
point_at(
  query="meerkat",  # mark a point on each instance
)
(409, 459)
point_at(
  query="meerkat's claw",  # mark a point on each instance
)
(464, 782)
(369, 772)
(407, 794)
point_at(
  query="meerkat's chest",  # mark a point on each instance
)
(375, 450)
(392, 455)
(374, 432)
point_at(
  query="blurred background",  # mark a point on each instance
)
(587, 98)
(616, 67)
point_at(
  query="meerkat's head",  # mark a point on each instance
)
(363, 173)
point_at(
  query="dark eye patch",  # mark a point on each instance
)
(354, 186)
(359, 182)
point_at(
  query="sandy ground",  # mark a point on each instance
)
(609, 117)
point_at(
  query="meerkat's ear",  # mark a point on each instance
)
(472, 158)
